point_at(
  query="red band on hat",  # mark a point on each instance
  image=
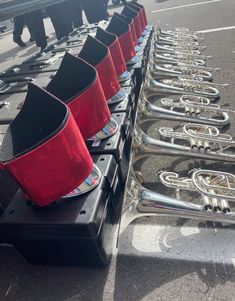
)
(142, 21)
(55, 168)
(117, 56)
(90, 110)
(108, 77)
(133, 32)
(137, 26)
(140, 11)
(126, 42)
(77, 84)
(143, 12)
(144, 17)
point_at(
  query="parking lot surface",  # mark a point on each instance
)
(157, 258)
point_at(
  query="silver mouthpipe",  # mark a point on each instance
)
(176, 33)
(164, 59)
(178, 88)
(167, 49)
(174, 42)
(201, 82)
(170, 71)
(178, 54)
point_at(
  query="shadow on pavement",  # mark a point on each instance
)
(139, 275)
(20, 280)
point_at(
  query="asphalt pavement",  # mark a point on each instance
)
(157, 258)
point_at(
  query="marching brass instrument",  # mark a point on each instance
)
(171, 40)
(195, 141)
(180, 87)
(167, 58)
(179, 43)
(187, 64)
(167, 49)
(199, 80)
(198, 138)
(174, 71)
(202, 139)
(187, 108)
(163, 50)
(215, 190)
(177, 38)
(181, 55)
(178, 32)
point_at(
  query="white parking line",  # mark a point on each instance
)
(183, 6)
(216, 29)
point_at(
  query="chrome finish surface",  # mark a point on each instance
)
(179, 54)
(179, 38)
(186, 108)
(174, 71)
(140, 201)
(89, 184)
(125, 76)
(157, 48)
(200, 140)
(185, 41)
(138, 48)
(196, 146)
(180, 87)
(167, 58)
(179, 32)
(109, 130)
(133, 61)
(197, 80)
(118, 97)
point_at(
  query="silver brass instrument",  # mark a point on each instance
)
(171, 59)
(195, 141)
(180, 87)
(168, 49)
(179, 43)
(188, 40)
(197, 80)
(187, 108)
(182, 55)
(189, 64)
(178, 32)
(174, 71)
(163, 50)
(194, 66)
(202, 139)
(215, 190)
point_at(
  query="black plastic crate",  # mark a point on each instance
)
(76, 231)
